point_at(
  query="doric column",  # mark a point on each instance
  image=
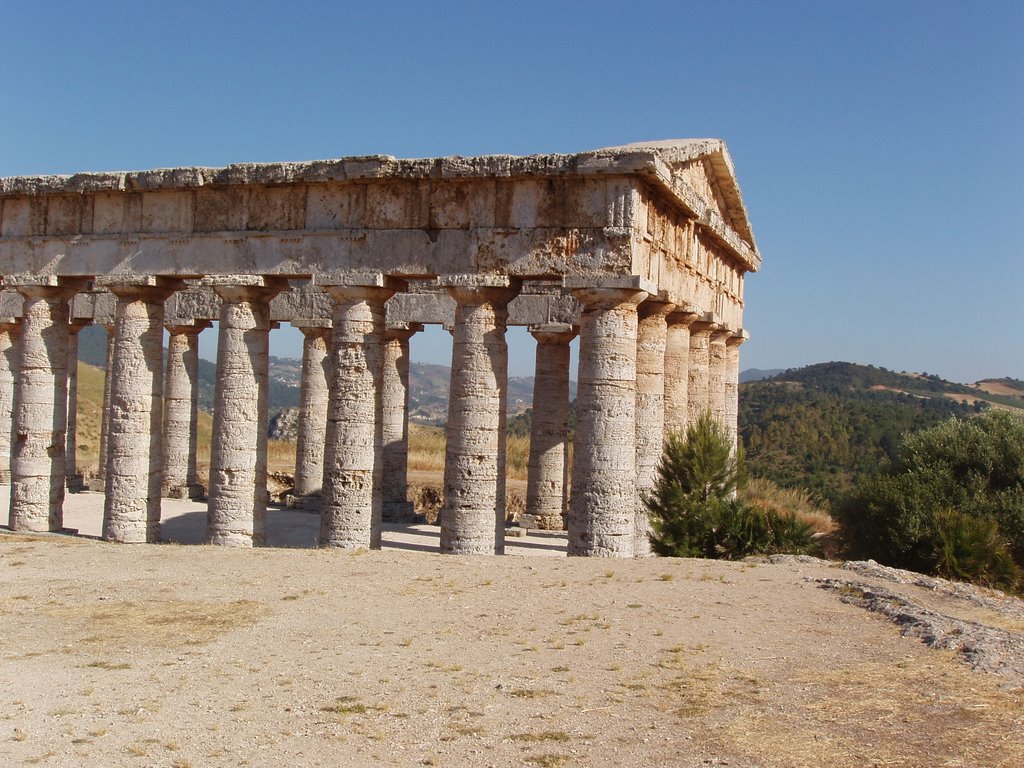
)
(395, 422)
(677, 368)
(10, 334)
(602, 508)
(105, 415)
(473, 517)
(312, 426)
(549, 430)
(74, 480)
(181, 412)
(700, 362)
(732, 383)
(350, 513)
(131, 506)
(38, 461)
(717, 373)
(650, 407)
(237, 513)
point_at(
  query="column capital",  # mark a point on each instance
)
(402, 332)
(47, 286)
(344, 294)
(472, 290)
(684, 314)
(655, 306)
(706, 323)
(737, 338)
(146, 288)
(314, 331)
(720, 335)
(194, 327)
(597, 298)
(237, 288)
(553, 333)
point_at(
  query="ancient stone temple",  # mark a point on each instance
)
(639, 250)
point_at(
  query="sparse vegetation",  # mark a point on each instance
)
(949, 502)
(693, 509)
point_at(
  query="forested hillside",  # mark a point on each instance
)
(819, 426)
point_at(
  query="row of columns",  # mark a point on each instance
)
(646, 365)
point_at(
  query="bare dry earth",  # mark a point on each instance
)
(173, 655)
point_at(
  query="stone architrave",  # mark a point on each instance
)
(395, 423)
(717, 374)
(38, 441)
(677, 369)
(546, 473)
(10, 334)
(237, 513)
(698, 396)
(312, 425)
(732, 384)
(181, 412)
(131, 507)
(473, 516)
(650, 407)
(350, 515)
(74, 480)
(602, 507)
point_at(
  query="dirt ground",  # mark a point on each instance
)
(177, 655)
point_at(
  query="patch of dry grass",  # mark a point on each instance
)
(805, 505)
(168, 622)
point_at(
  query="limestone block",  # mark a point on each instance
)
(313, 397)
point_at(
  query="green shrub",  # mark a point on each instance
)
(693, 511)
(915, 512)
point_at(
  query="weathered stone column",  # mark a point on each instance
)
(473, 517)
(74, 480)
(717, 362)
(677, 368)
(38, 460)
(101, 471)
(237, 513)
(602, 508)
(312, 426)
(131, 506)
(549, 430)
(395, 423)
(181, 412)
(700, 363)
(732, 383)
(10, 334)
(651, 337)
(350, 514)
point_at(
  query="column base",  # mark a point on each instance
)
(311, 502)
(542, 523)
(398, 511)
(97, 485)
(183, 492)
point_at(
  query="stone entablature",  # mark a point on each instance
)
(639, 250)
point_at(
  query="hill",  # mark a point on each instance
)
(820, 426)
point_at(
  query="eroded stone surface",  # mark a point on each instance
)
(473, 516)
(312, 427)
(350, 515)
(602, 508)
(549, 435)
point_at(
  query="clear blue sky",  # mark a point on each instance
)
(880, 145)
